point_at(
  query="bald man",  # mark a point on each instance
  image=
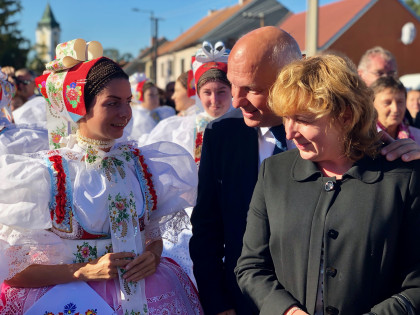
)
(233, 148)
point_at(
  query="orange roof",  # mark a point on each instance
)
(333, 19)
(205, 25)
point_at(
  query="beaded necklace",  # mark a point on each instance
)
(93, 143)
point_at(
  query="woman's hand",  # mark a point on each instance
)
(142, 266)
(105, 267)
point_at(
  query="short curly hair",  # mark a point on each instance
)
(329, 85)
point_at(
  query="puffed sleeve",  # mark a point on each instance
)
(174, 176)
(179, 130)
(24, 192)
(24, 216)
(23, 139)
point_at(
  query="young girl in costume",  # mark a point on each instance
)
(81, 226)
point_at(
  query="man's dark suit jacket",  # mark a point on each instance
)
(227, 176)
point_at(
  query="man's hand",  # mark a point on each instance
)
(407, 149)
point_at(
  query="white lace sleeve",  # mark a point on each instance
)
(24, 216)
(174, 176)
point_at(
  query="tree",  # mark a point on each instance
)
(114, 54)
(12, 45)
(414, 5)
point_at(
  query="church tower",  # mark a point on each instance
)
(47, 35)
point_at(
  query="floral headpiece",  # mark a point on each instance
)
(137, 81)
(209, 57)
(7, 91)
(63, 83)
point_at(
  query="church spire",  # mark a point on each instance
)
(48, 18)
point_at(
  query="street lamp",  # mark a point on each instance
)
(154, 32)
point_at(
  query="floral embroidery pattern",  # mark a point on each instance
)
(91, 155)
(73, 93)
(111, 165)
(43, 90)
(56, 135)
(198, 146)
(132, 312)
(71, 308)
(121, 212)
(85, 253)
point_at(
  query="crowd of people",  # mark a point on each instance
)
(273, 184)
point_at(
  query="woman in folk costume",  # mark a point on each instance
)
(214, 93)
(81, 226)
(184, 95)
(147, 112)
(17, 139)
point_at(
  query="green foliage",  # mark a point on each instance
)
(115, 55)
(414, 5)
(12, 45)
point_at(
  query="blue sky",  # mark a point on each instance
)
(116, 25)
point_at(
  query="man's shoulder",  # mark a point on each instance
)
(231, 120)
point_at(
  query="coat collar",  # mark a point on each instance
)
(366, 170)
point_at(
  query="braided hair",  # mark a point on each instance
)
(98, 78)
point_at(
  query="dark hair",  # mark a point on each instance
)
(183, 79)
(383, 83)
(212, 75)
(148, 85)
(102, 72)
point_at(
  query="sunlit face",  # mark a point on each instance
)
(180, 97)
(413, 102)
(151, 98)
(390, 106)
(378, 67)
(316, 139)
(250, 91)
(110, 113)
(216, 98)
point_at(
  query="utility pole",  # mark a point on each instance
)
(154, 34)
(311, 43)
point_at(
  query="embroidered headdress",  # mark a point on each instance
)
(137, 81)
(209, 58)
(63, 84)
(7, 90)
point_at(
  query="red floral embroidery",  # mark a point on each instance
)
(148, 177)
(198, 145)
(61, 197)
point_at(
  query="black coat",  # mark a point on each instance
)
(368, 225)
(227, 176)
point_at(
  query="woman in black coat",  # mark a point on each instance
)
(339, 233)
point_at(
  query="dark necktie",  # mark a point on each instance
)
(280, 135)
